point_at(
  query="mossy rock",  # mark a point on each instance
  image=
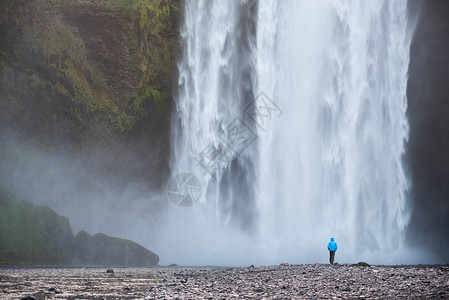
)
(100, 249)
(33, 234)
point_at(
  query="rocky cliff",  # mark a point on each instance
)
(100, 249)
(32, 234)
(91, 75)
(428, 111)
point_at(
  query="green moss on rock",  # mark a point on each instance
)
(33, 234)
(80, 71)
(100, 249)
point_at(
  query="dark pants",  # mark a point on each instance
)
(331, 257)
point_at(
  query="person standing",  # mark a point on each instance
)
(332, 247)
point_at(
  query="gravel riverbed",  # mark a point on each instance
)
(270, 282)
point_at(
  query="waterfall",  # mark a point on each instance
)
(318, 91)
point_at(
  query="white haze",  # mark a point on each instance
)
(79, 189)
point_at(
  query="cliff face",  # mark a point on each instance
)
(100, 249)
(428, 112)
(90, 75)
(32, 234)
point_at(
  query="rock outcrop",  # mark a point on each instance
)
(428, 110)
(100, 249)
(33, 234)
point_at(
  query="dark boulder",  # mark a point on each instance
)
(361, 264)
(53, 290)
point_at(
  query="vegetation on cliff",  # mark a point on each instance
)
(89, 74)
(100, 249)
(33, 234)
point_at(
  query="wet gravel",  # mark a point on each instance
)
(269, 282)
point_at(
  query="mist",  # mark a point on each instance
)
(78, 187)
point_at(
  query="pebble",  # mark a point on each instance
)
(284, 281)
(28, 298)
(53, 290)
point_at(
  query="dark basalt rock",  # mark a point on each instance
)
(428, 144)
(361, 264)
(53, 290)
(100, 249)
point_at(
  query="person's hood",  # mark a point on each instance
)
(332, 239)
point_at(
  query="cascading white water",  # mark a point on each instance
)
(329, 165)
(332, 164)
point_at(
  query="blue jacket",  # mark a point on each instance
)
(332, 246)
